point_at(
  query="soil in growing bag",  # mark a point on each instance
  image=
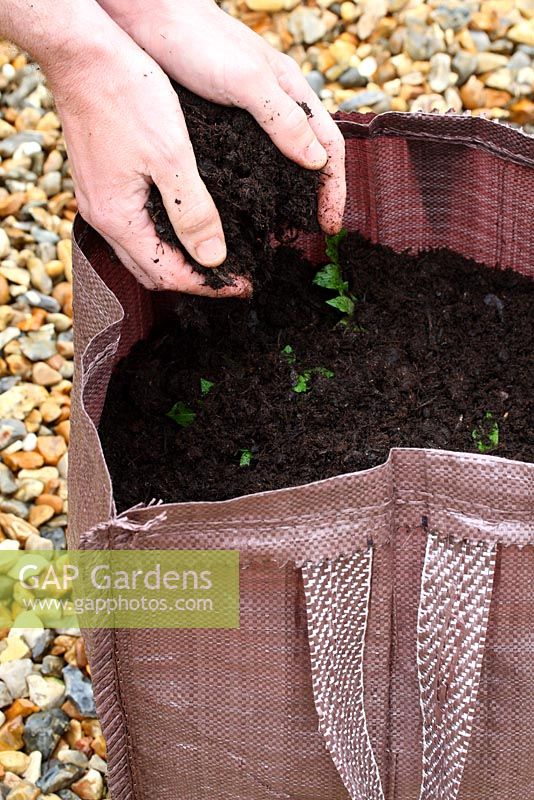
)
(386, 637)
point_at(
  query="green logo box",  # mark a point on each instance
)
(119, 589)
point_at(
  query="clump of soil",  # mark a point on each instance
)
(237, 161)
(439, 354)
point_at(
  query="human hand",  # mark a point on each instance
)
(222, 60)
(124, 129)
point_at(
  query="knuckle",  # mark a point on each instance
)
(297, 122)
(196, 217)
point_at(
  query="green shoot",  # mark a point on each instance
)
(332, 245)
(245, 458)
(326, 373)
(302, 384)
(486, 435)
(330, 277)
(289, 354)
(182, 414)
(205, 386)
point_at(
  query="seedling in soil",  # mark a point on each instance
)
(302, 384)
(289, 354)
(205, 386)
(245, 458)
(330, 277)
(486, 435)
(182, 414)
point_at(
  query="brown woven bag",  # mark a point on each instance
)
(386, 647)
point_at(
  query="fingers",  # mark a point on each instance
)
(191, 210)
(333, 192)
(285, 122)
(156, 266)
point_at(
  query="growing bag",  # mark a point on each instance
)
(386, 647)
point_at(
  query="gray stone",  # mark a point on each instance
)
(42, 235)
(440, 72)
(519, 60)
(464, 64)
(351, 78)
(7, 481)
(39, 300)
(5, 695)
(8, 383)
(46, 251)
(59, 776)
(316, 80)
(306, 25)
(455, 18)
(9, 145)
(66, 794)
(420, 43)
(38, 640)
(56, 536)
(51, 183)
(369, 98)
(504, 46)
(7, 335)
(78, 688)
(52, 665)
(16, 507)
(44, 729)
(481, 40)
(26, 86)
(14, 674)
(37, 350)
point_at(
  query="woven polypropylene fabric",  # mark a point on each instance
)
(337, 601)
(451, 634)
(235, 709)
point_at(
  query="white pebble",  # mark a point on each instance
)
(29, 443)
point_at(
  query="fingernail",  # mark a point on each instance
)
(316, 154)
(211, 252)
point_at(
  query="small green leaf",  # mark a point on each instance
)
(326, 373)
(205, 386)
(486, 436)
(332, 245)
(245, 458)
(302, 384)
(343, 304)
(289, 354)
(329, 277)
(182, 414)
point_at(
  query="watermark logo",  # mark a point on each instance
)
(119, 589)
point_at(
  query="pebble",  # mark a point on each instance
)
(56, 536)
(44, 729)
(23, 791)
(37, 350)
(44, 375)
(6, 698)
(8, 485)
(79, 690)
(16, 650)
(90, 787)
(59, 776)
(365, 98)
(14, 674)
(14, 761)
(46, 693)
(52, 665)
(32, 773)
(5, 245)
(39, 300)
(316, 80)
(352, 78)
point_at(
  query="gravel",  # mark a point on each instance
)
(369, 55)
